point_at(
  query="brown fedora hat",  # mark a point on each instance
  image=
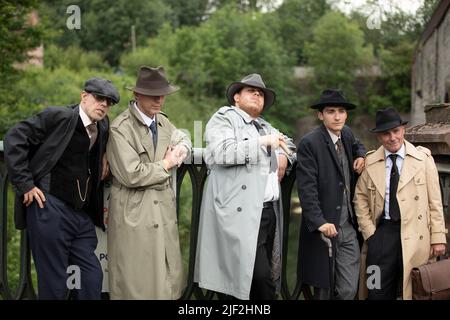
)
(252, 80)
(153, 82)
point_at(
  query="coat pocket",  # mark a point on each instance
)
(133, 211)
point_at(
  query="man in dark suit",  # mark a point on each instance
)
(56, 164)
(329, 158)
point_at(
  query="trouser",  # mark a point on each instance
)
(263, 287)
(63, 242)
(346, 266)
(384, 250)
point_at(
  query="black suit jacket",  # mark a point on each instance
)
(34, 146)
(320, 182)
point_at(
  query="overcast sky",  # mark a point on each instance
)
(410, 6)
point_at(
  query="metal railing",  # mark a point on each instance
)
(197, 174)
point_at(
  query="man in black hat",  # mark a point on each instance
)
(56, 164)
(329, 159)
(144, 150)
(239, 240)
(399, 210)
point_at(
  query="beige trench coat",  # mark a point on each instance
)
(144, 258)
(419, 197)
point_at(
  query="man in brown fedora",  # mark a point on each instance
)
(239, 240)
(329, 159)
(144, 257)
(399, 210)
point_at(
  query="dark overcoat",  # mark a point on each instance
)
(320, 182)
(34, 146)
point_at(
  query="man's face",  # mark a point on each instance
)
(251, 100)
(96, 107)
(333, 118)
(149, 105)
(393, 139)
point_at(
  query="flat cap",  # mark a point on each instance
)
(102, 87)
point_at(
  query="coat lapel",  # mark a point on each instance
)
(331, 148)
(376, 168)
(163, 138)
(145, 136)
(410, 165)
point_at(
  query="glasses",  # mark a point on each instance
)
(100, 99)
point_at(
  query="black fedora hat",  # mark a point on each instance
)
(387, 119)
(252, 80)
(332, 98)
(153, 82)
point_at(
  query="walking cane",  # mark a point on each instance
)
(330, 263)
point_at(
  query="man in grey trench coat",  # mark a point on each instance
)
(238, 250)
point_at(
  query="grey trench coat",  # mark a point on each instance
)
(232, 202)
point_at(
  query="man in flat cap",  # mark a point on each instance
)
(56, 164)
(144, 149)
(239, 239)
(329, 160)
(399, 209)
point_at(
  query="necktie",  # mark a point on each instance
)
(394, 210)
(154, 134)
(93, 131)
(276, 255)
(339, 150)
(273, 158)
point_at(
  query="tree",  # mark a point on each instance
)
(106, 28)
(296, 19)
(17, 35)
(337, 52)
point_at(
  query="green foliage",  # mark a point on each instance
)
(73, 58)
(106, 28)
(17, 36)
(296, 19)
(337, 52)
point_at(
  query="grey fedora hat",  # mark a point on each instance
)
(153, 82)
(252, 80)
(387, 119)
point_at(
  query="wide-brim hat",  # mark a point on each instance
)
(102, 87)
(153, 82)
(333, 98)
(387, 119)
(252, 80)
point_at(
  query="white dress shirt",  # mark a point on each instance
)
(388, 163)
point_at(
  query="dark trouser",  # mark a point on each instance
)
(263, 287)
(61, 237)
(346, 266)
(385, 251)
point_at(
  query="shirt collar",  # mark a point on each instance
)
(243, 114)
(147, 120)
(334, 137)
(84, 117)
(400, 152)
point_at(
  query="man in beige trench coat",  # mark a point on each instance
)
(399, 210)
(144, 258)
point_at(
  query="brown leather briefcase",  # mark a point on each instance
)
(431, 281)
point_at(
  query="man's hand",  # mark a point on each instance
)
(358, 165)
(328, 229)
(272, 140)
(437, 249)
(171, 158)
(34, 193)
(181, 153)
(282, 165)
(105, 167)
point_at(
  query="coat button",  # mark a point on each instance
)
(244, 187)
(155, 202)
(340, 184)
(419, 217)
(338, 208)
(155, 226)
(421, 237)
(416, 198)
(239, 209)
(208, 172)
